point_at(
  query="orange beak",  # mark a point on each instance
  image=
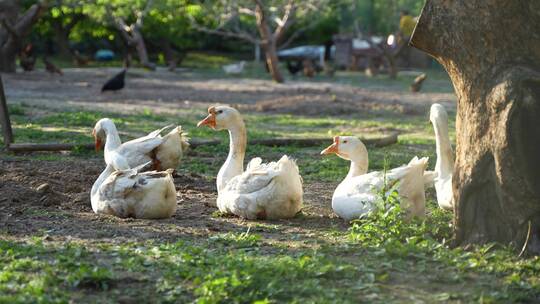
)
(97, 140)
(210, 120)
(333, 148)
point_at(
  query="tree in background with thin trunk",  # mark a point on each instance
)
(262, 23)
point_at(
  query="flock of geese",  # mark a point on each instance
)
(137, 180)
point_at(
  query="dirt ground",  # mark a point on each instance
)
(167, 91)
(52, 198)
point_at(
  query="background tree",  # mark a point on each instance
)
(168, 30)
(491, 50)
(126, 16)
(261, 23)
(63, 16)
(15, 25)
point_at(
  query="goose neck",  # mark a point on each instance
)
(234, 165)
(445, 157)
(101, 178)
(113, 139)
(237, 144)
(358, 167)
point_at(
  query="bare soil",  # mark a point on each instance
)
(52, 198)
(168, 91)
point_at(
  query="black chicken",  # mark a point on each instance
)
(294, 68)
(116, 83)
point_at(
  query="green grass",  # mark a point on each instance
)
(380, 259)
(75, 126)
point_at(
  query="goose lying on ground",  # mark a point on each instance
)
(358, 192)
(234, 68)
(263, 191)
(165, 152)
(130, 193)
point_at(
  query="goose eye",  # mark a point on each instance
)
(220, 111)
(344, 141)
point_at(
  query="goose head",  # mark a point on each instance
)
(221, 117)
(347, 147)
(437, 114)
(103, 127)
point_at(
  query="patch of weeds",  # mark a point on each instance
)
(426, 241)
(219, 214)
(88, 276)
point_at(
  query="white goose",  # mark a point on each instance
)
(263, 191)
(129, 193)
(164, 152)
(445, 157)
(357, 193)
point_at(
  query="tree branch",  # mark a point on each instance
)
(232, 34)
(141, 15)
(25, 22)
(295, 35)
(286, 20)
(246, 11)
(242, 35)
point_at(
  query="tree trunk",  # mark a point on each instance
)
(13, 29)
(8, 59)
(268, 43)
(272, 62)
(169, 54)
(133, 37)
(141, 49)
(62, 31)
(62, 41)
(491, 50)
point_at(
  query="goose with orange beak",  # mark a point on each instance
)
(263, 191)
(165, 152)
(357, 193)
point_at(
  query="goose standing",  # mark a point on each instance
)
(165, 152)
(263, 191)
(445, 157)
(358, 192)
(130, 193)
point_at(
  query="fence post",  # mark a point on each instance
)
(4, 117)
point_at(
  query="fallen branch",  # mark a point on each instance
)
(272, 142)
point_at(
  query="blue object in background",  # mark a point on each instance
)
(104, 55)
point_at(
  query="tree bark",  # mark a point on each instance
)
(268, 43)
(133, 37)
(13, 29)
(62, 41)
(272, 62)
(491, 50)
